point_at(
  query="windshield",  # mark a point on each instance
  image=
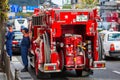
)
(114, 37)
(18, 35)
(20, 21)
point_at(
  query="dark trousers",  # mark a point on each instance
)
(9, 49)
(24, 53)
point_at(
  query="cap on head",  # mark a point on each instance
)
(29, 19)
(9, 25)
(22, 27)
(26, 30)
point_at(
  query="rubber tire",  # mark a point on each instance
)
(104, 56)
(63, 61)
(32, 67)
(79, 73)
(100, 49)
(82, 73)
(42, 75)
(30, 55)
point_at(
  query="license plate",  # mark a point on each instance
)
(81, 18)
(13, 45)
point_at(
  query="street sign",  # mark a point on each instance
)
(20, 9)
(31, 8)
(12, 8)
(16, 8)
(28, 8)
(24, 9)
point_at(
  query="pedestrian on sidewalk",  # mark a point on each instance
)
(25, 45)
(9, 37)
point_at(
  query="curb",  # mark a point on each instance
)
(3, 76)
(15, 67)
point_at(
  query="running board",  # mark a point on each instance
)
(99, 65)
(49, 68)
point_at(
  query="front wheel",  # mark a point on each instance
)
(62, 63)
(42, 75)
(32, 67)
(79, 72)
(82, 73)
(100, 49)
(104, 55)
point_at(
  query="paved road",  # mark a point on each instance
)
(112, 72)
(3, 76)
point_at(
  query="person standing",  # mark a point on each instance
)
(25, 45)
(9, 37)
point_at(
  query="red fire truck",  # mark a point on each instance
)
(65, 40)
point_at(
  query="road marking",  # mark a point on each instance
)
(16, 64)
(14, 59)
(116, 72)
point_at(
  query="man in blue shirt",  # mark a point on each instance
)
(9, 37)
(25, 45)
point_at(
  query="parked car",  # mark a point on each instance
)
(20, 22)
(111, 43)
(17, 41)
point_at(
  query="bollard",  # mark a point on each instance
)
(17, 74)
(7, 66)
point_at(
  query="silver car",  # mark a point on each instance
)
(17, 41)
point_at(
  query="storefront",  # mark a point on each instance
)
(109, 14)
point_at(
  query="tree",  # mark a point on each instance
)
(87, 3)
(90, 2)
(3, 18)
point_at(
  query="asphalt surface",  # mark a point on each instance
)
(3, 76)
(112, 72)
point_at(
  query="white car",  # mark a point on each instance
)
(20, 22)
(111, 43)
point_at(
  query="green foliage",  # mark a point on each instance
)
(3, 10)
(24, 14)
(67, 6)
(90, 2)
(87, 4)
(99, 30)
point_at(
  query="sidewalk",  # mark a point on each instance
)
(3, 76)
(16, 64)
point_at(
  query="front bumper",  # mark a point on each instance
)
(16, 49)
(115, 53)
(49, 68)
